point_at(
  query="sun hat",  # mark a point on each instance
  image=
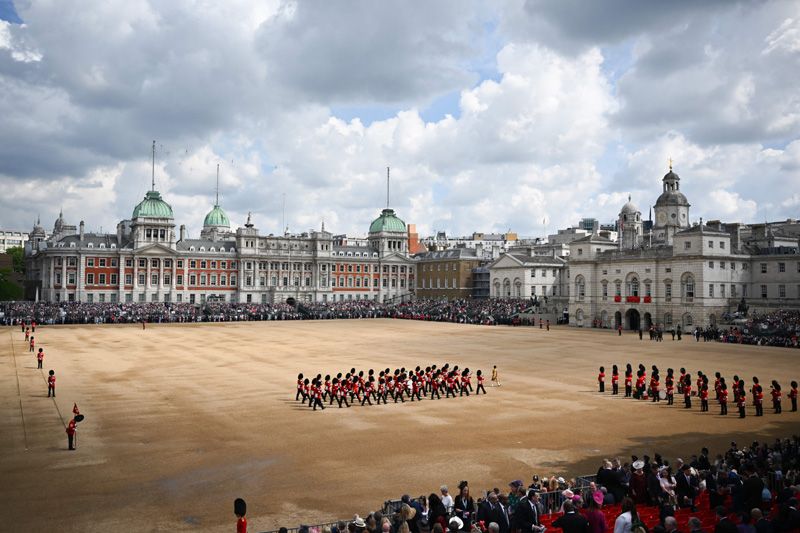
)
(457, 521)
(638, 465)
(359, 522)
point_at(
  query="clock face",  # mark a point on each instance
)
(662, 218)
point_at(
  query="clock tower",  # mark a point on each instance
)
(671, 209)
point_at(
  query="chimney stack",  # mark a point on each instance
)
(183, 232)
(81, 229)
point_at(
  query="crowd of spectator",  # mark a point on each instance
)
(778, 328)
(487, 312)
(755, 486)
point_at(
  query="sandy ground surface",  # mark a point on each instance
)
(182, 419)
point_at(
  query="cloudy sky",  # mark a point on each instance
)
(514, 114)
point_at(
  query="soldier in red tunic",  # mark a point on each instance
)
(300, 389)
(40, 357)
(240, 510)
(776, 397)
(480, 383)
(435, 384)
(628, 381)
(316, 390)
(704, 398)
(793, 395)
(51, 384)
(723, 397)
(758, 399)
(655, 387)
(33, 344)
(601, 379)
(687, 392)
(741, 399)
(614, 380)
(71, 430)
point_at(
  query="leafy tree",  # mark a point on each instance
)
(18, 258)
(8, 289)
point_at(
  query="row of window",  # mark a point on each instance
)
(544, 272)
(351, 281)
(428, 283)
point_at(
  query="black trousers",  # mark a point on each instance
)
(723, 408)
(741, 411)
(687, 401)
(670, 398)
(479, 389)
(71, 441)
(759, 409)
(704, 405)
(794, 404)
(628, 391)
(318, 402)
(777, 406)
(300, 394)
(50, 389)
(602, 386)
(40, 364)
(436, 392)
(614, 388)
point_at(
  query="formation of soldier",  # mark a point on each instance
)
(351, 387)
(638, 387)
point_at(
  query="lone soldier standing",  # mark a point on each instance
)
(51, 384)
(33, 344)
(71, 430)
(40, 357)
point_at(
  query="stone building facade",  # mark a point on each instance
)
(679, 273)
(447, 273)
(146, 260)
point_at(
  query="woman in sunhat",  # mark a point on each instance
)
(464, 505)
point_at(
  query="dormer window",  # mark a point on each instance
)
(91, 245)
(191, 248)
(102, 245)
(202, 248)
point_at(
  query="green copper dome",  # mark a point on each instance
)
(153, 207)
(388, 221)
(217, 217)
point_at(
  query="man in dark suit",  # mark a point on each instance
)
(491, 510)
(724, 524)
(752, 488)
(683, 489)
(570, 521)
(526, 514)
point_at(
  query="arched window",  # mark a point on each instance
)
(580, 288)
(632, 285)
(687, 286)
